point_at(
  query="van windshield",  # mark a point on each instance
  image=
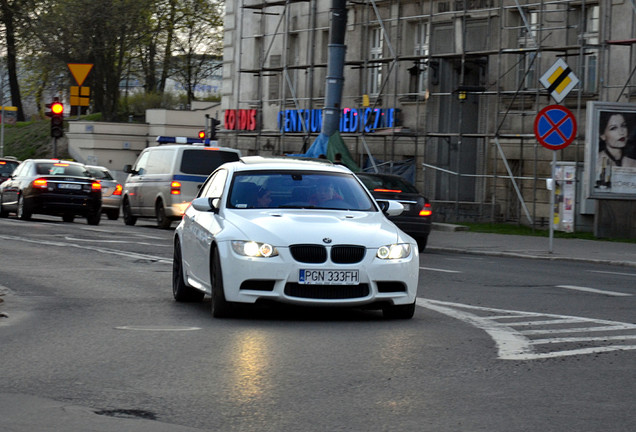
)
(204, 161)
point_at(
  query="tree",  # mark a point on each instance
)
(102, 33)
(149, 40)
(197, 43)
(9, 12)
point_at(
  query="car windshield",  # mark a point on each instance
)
(203, 162)
(6, 168)
(298, 189)
(61, 168)
(386, 183)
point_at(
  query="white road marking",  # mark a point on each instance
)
(168, 244)
(132, 255)
(581, 339)
(157, 328)
(594, 290)
(519, 345)
(439, 270)
(613, 273)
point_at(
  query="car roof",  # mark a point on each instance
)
(55, 161)
(252, 163)
(192, 146)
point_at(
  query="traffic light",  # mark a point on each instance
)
(57, 119)
(214, 127)
(202, 134)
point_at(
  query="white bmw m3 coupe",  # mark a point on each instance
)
(293, 231)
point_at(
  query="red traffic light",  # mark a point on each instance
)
(201, 134)
(57, 108)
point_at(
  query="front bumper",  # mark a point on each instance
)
(248, 280)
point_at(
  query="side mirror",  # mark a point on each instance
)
(205, 204)
(128, 169)
(391, 207)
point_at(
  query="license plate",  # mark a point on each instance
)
(328, 277)
(69, 186)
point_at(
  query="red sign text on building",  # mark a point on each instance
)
(241, 119)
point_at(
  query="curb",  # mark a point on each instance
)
(527, 256)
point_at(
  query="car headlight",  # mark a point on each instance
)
(394, 251)
(254, 249)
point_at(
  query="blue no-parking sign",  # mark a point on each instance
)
(555, 127)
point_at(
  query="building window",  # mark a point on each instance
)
(527, 76)
(375, 68)
(421, 50)
(274, 79)
(591, 52)
(528, 34)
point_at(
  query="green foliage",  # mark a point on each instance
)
(145, 40)
(137, 104)
(26, 140)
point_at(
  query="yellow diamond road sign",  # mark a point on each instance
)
(559, 80)
(80, 71)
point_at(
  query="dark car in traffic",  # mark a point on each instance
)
(417, 216)
(53, 187)
(7, 165)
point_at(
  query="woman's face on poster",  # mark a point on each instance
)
(615, 133)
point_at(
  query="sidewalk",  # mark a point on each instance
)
(451, 238)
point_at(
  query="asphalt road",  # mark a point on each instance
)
(92, 340)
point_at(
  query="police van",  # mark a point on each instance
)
(166, 178)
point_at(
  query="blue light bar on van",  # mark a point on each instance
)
(184, 140)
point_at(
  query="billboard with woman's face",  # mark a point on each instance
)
(611, 150)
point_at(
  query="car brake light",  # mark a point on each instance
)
(387, 190)
(118, 190)
(60, 164)
(39, 183)
(96, 186)
(427, 210)
(175, 188)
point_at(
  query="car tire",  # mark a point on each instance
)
(3, 212)
(399, 312)
(221, 308)
(94, 218)
(160, 212)
(129, 219)
(24, 213)
(421, 243)
(181, 291)
(112, 214)
(67, 217)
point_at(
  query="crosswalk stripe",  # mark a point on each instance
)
(513, 344)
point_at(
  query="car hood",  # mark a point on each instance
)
(282, 228)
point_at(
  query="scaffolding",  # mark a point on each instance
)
(464, 75)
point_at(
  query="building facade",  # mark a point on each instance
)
(450, 87)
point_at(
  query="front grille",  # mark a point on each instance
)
(326, 292)
(314, 254)
(345, 254)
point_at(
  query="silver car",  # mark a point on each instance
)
(111, 190)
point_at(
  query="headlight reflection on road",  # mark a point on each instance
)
(251, 358)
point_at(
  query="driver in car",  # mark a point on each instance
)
(324, 192)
